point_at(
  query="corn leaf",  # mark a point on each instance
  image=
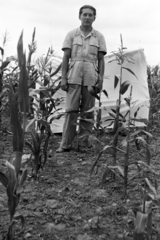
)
(126, 114)
(140, 222)
(156, 200)
(22, 222)
(3, 179)
(23, 88)
(129, 70)
(121, 40)
(148, 167)
(18, 135)
(29, 145)
(26, 159)
(95, 163)
(118, 149)
(21, 181)
(147, 133)
(116, 80)
(87, 120)
(150, 186)
(156, 184)
(17, 162)
(57, 70)
(56, 117)
(32, 47)
(135, 114)
(33, 92)
(116, 173)
(36, 140)
(5, 64)
(124, 86)
(30, 124)
(135, 133)
(105, 92)
(112, 60)
(47, 126)
(109, 119)
(4, 90)
(20, 50)
(2, 51)
(142, 140)
(112, 115)
(119, 168)
(148, 155)
(113, 110)
(12, 178)
(127, 101)
(95, 109)
(13, 199)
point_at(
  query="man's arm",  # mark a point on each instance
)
(101, 68)
(65, 62)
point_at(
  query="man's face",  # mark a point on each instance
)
(87, 17)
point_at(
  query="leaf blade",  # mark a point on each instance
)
(129, 70)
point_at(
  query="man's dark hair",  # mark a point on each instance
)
(87, 6)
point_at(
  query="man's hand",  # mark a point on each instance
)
(64, 85)
(99, 84)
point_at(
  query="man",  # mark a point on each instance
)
(82, 68)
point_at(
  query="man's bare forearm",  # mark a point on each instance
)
(65, 67)
(101, 67)
(65, 63)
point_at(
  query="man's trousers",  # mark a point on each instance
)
(78, 101)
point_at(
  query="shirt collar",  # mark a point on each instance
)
(79, 32)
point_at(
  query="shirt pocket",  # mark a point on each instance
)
(70, 69)
(76, 47)
(93, 47)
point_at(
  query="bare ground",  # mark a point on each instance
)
(67, 204)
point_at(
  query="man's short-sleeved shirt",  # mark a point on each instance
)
(84, 55)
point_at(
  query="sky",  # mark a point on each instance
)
(137, 20)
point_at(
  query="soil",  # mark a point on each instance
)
(66, 203)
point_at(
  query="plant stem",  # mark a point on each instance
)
(116, 122)
(127, 149)
(1, 86)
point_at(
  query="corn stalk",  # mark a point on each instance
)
(127, 147)
(120, 57)
(5, 38)
(13, 182)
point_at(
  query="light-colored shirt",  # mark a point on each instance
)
(84, 55)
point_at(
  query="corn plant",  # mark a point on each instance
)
(143, 223)
(3, 65)
(14, 180)
(4, 75)
(138, 137)
(38, 146)
(41, 134)
(45, 110)
(120, 57)
(150, 201)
